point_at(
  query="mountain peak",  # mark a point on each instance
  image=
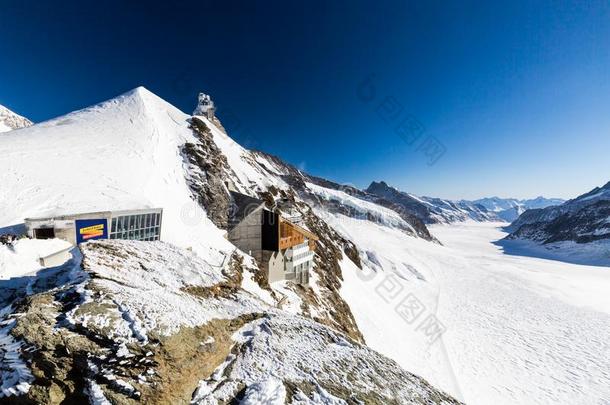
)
(378, 185)
(140, 93)
(10, 120)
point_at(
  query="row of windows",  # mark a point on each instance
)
(144, 227)
(129, 222)
(302, 255)
(147, 234)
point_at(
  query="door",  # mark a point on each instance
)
(44, 233)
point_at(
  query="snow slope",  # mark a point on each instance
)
(485, 326)
(278, 351)
(508, 209)
(365, 209)
(128, 153)
(584, 220)
(517, 329)
(121, 154)
(22, 257)
(10, 120)
(429, 209)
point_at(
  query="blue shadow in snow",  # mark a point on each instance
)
(43, 280)
(17, 229)
(548, 252)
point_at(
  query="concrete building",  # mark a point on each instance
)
(143, 224)
(283, 249)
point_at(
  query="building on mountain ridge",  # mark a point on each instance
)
(142, 224)
(205, 106)
(283, 249)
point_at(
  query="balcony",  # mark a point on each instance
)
(290, 241)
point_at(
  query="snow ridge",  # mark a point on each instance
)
(10, 120)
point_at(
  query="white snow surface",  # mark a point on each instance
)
(162, 271)
(518, 329)
(10, 120)
(21, 258)
(381, 214)
(294, 349)
(269, 391)
(249, 172)
(121, 154)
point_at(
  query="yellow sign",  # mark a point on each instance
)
(92, 231)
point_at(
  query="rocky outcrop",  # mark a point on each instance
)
(297, 179)
(10, 120)
(207, 174)
(329, 307)
(431, 210)
(146, 322)
(293, 360)
(581, 220)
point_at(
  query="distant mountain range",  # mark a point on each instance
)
(583, 219)
(509, 209)
(128, 309)
(432, 210)
(10, 120)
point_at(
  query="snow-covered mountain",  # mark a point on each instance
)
(509, 209)
(584, 219)
(389, 315)
(432, 210)
(190, 318)
(10, 120)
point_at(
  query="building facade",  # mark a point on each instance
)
(143, 224)
(281, 248)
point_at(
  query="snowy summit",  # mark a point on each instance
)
(268, 285)
(10, 120)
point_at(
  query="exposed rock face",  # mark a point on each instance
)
(383, 190)
(120, 327)
(297, 179)
(10, 120)
(207, 169)
(582, 220)
(329, 308)
(297, 360)
(208, 176)
(145, 322)
(129, 322)
(431, 210)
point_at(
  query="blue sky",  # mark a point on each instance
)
(517, 94)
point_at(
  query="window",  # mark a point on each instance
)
(144, 227)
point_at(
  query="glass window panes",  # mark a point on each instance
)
(144, 227)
